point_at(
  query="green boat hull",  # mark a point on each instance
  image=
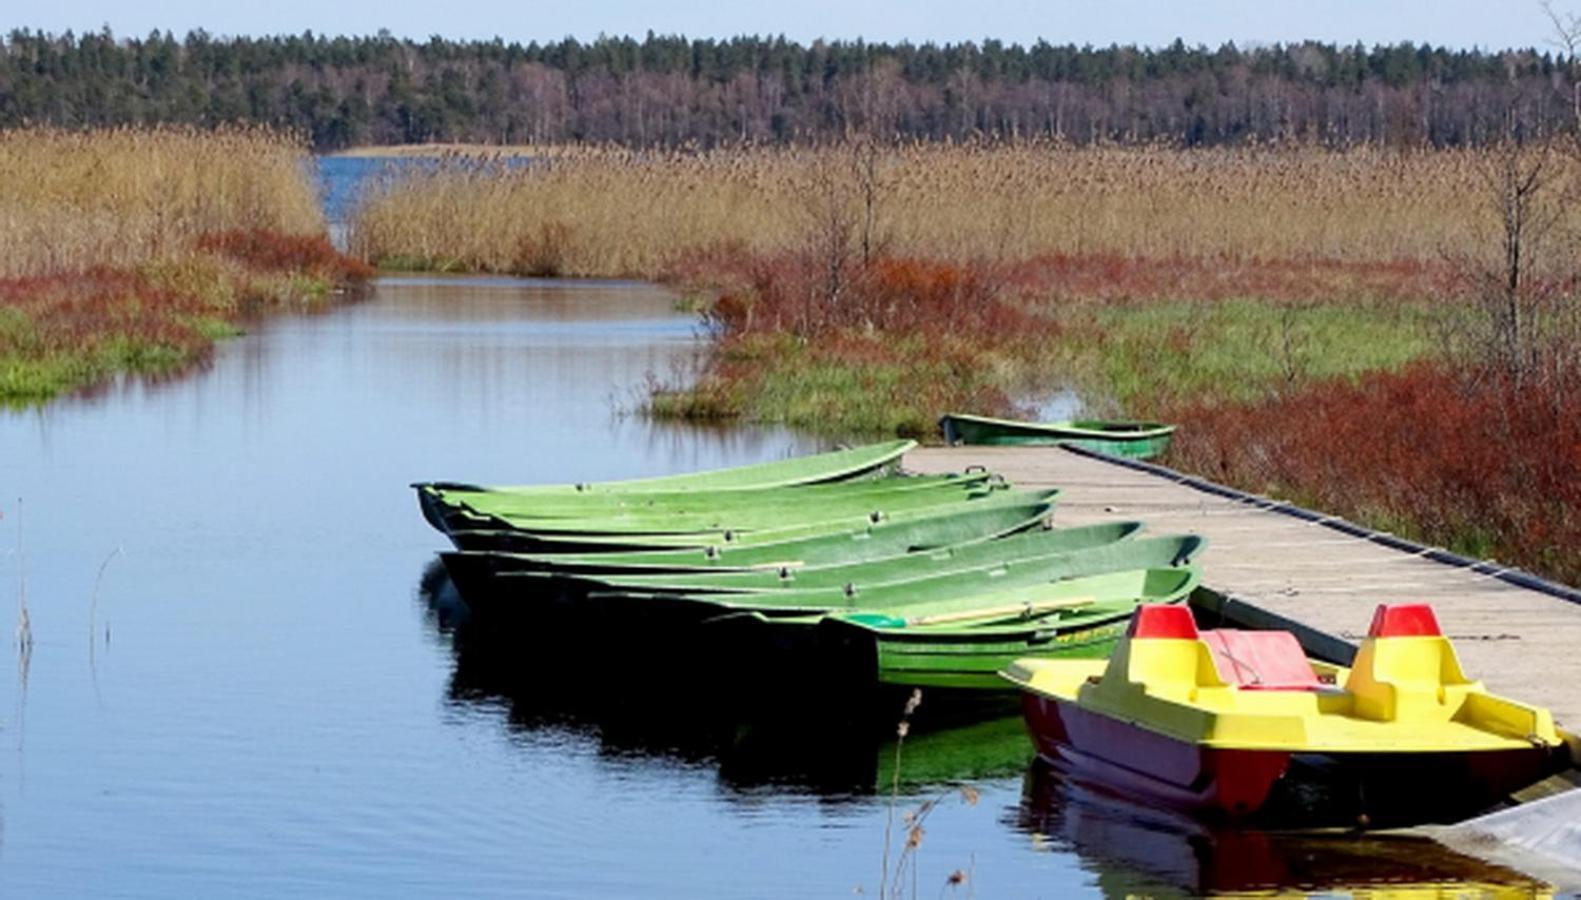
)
(970, 655)
(1008, 550)
(743, 510)
(835, 466)
(596, 537)
(610, 504)
(1135, 440)
(528, 598)
(981, 521)
(1136, 553)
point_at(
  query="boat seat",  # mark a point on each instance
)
(1261, 660)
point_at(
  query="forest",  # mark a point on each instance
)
(670, 91)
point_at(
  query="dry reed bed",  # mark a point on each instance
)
(610, 212)
(130, 251)
(72, 201)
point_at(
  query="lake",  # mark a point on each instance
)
(246, 678)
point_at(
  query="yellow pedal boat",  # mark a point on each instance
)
(1209, 720)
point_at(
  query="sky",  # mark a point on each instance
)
(1488, 24)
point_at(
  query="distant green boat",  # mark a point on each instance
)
(835, 466)
(966, 642)
(1136, 440)
(979, 521)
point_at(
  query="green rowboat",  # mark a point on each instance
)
(965, 643)
(753, 527)
(716, 506)
(979, 521)
(835, 466)
(801, 603)
(1136, 440)
(610, 504)
(1007, 551)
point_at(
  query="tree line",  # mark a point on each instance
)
(671, 91)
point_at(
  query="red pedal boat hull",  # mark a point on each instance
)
(1135, 761)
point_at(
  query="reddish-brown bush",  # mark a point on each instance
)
(798, 294)
(1476, 464)
(79, 312)
(273, 251)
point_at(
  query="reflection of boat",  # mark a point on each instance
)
(1143, 849)
(1138, 440)
(833, 745)
(437, 501)
(996, 748)
(1211, 720)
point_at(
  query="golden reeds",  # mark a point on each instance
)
(612, 212)
(118, 198)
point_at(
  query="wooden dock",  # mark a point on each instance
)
(1521, 642)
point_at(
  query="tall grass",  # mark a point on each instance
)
(77, 200)
(1306, 315)
(613, 212)
(131, 251)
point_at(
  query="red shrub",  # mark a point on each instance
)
(799, 294)
(1484, 465)
(80, 312)
(272, 251)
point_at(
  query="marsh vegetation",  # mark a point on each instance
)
(1283, 302)
(132, 250)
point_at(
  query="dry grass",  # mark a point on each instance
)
(612, 212)
(74, 201)
(130, 251)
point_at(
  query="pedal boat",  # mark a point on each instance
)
(1209, 721)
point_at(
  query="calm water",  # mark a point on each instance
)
(267, 693)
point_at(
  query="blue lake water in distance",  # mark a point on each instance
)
(266, 693)
(341, 179)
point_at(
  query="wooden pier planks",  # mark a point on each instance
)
(1521, 642)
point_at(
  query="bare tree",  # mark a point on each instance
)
(833, 223)
(1525, 285)
(1567, 38)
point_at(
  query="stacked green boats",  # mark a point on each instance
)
(933, 581)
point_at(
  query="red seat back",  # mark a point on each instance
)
(1261, 660)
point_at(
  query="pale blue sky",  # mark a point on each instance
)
(1460, 23)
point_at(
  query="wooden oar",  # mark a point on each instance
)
(1024, 610)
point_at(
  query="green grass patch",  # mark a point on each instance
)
(856, 385)
(1138, 358)
(1123, 359)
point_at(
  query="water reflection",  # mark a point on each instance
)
(1140, 849)
(676, 703)
(638, 707)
